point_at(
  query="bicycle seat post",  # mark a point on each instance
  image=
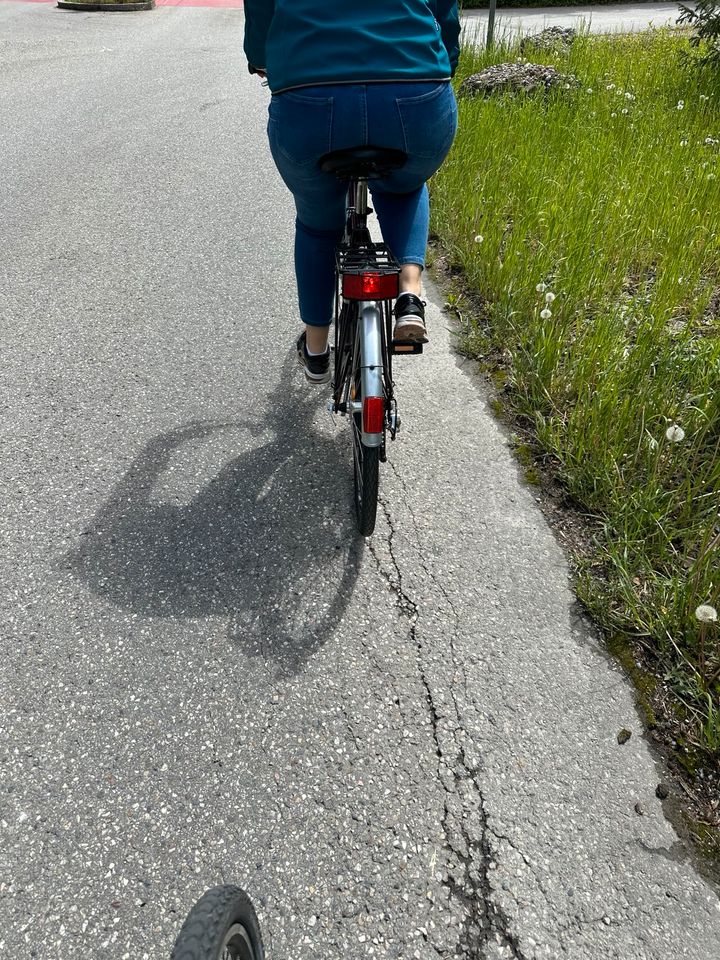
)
(359, 197)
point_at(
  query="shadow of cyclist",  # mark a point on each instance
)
(269, 542)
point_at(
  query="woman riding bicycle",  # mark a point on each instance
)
(346, 74)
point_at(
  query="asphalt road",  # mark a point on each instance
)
(402, 748)
(625, 17)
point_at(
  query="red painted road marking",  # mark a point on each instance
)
(199, 3)
(230, 4)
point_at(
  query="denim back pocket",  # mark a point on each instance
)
(429, 121)
(300, 127)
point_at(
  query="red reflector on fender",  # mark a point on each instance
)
(370, 286)
(373, 414)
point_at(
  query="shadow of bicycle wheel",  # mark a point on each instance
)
(268, 541)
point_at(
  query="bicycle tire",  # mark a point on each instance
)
(366, 476)
(222, 925)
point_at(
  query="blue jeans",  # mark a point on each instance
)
(303, 125)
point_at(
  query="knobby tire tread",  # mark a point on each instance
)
(206, 925)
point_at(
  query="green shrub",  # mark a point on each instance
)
(705, 17)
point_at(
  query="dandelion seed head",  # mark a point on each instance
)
(706, 613)
(683, 143)
(613, 114)
(479, 238)
(546, 313)
(549, 297)
(675, 433)
(625, 111)
(680, 105)
(610, 86)
(541, 287)
(589, 90)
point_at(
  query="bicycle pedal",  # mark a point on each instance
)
(399, 347)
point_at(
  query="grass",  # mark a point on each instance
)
(505, 4)
(608, 197)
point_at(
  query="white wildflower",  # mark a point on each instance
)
(549, 297)
(675, 433)
(680, 105)
(610, 86)
(589, 90)
(613, 114)
(479, 238)
(541, 287)
(625, 111)
(546, 314)
(629, 96)
(706, 613)
(683, 143)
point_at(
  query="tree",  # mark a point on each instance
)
(706, 20)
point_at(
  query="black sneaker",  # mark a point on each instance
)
(410, 319)
(317, 369)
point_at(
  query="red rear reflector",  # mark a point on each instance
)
(370, 286)
(373, 414)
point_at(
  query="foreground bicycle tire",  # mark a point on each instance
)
(222, 925)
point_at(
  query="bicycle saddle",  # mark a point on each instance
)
(362, 163)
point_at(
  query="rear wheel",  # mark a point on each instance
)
(367, 471)
(366, 468)
(222, 925)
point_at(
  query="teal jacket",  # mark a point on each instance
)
(301, 43)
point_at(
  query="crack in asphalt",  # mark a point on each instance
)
(469, 885)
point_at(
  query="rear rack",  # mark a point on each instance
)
(376, 258)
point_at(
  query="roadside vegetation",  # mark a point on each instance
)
(484, 4)
(583, 227)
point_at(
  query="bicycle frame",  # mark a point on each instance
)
(368, 322)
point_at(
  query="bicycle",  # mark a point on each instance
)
(222, 925)
(367, 284)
